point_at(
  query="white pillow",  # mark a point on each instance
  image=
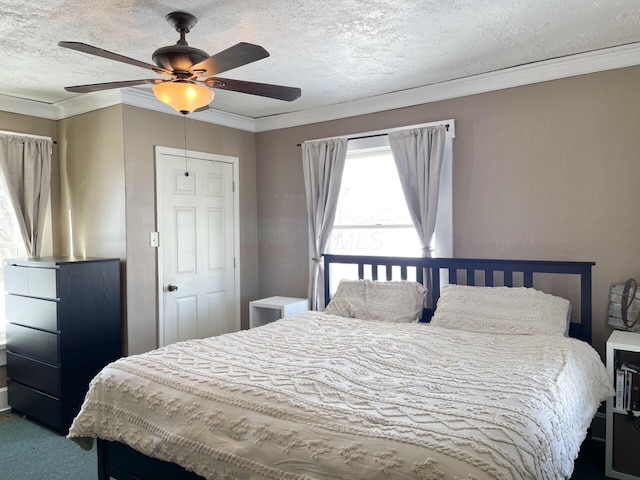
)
(401, 301)
(523, 311)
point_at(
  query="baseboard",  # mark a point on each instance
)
(4, 400)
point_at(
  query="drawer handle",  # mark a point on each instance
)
(172, 288)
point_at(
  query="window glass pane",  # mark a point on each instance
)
(8, 225)
(371, 193)
(372, 217)
(399, 241)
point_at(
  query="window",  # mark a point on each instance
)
(372, 217)
(10, 245)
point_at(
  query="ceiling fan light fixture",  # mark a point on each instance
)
(183, 95)
(184, 65)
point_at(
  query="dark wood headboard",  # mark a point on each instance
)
(467, 271)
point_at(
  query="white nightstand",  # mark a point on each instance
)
(273, 308)
(621, 455)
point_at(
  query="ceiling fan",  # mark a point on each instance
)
(191, 71)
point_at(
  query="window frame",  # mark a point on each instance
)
(442, 242)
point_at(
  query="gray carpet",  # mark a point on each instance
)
(29, 451)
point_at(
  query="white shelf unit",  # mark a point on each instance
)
(619, 341)
(271, 309)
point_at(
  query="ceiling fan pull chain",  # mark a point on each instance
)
(186, 158)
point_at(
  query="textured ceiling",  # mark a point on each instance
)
(336, 51)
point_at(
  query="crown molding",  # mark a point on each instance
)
(563, 67)
(66, 108)
(139, 98)
(87, 103)
(554, 69)
(107, 98)
(22, 106)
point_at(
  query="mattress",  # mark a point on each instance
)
(322, 396)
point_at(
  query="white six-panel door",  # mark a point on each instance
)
(197, 264)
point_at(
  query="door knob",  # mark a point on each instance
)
(172, 288)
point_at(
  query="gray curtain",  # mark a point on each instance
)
(25, 163)
(418, 154)
(322, 164)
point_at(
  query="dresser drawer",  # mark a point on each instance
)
(33, 373)
(32, 312)
(35, 282)
(33, 343)
(35, 404)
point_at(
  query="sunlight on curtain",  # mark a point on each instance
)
(10, 245)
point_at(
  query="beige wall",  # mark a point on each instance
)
(143, 130)
(13, 122)
(92, 184)
(547, 171)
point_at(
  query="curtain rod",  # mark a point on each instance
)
(373, 135)
(30, 135)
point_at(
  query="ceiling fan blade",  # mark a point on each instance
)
(95, 87)
(83, 47)
(278, 92)
(233, 57)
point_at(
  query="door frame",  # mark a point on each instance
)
(235, 162)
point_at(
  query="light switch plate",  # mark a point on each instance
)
(154, 239)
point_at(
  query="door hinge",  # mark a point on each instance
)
(233, 186)
(234, 262)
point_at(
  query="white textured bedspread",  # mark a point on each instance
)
(320, 396)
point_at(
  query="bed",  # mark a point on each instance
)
(320, 395)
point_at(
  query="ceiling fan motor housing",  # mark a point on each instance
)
(178, 58)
